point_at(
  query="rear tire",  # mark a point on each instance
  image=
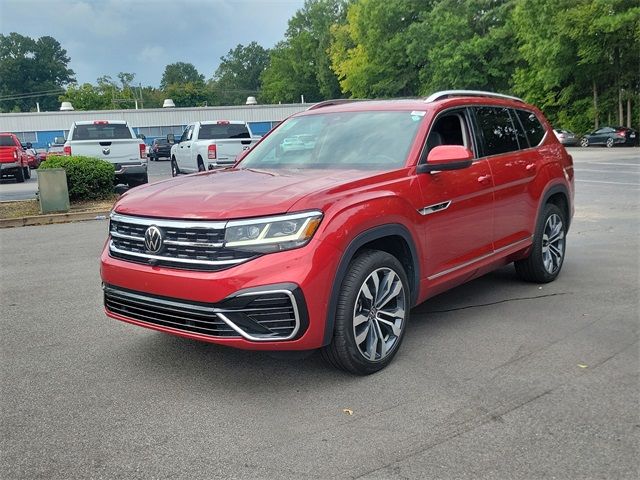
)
(200, 164)
(175, 171)
(584, 142)
(27, 172)
(610, 143)
(545, 260)
(371, 314)
(20, 175)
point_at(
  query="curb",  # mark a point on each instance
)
(54, 218)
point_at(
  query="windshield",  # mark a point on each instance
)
(101, 131)
(346, 140)
(222, 131)
(6, 141)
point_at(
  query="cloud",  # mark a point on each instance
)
(104, 37)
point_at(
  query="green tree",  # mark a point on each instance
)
(580, 58)
(300, 64)
(32, 71)
(464, 44)
(238, 74)
(180, 73)
(369, 51)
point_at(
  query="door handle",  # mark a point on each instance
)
(530, 167)
(484, 179)
(188, 146)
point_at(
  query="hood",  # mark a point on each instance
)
(225, 194)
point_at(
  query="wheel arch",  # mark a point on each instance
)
(392, 238)
(558, 195)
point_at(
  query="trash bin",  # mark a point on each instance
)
(53, 194)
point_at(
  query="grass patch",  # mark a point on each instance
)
(28, 208)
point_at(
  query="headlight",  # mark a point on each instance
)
(272, 234)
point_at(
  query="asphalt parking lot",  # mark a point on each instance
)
(495, 379)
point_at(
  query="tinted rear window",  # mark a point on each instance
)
(109, 131)
(532, 127)
(497, 129)
(162, 141)
(6, 141)
(222, 131)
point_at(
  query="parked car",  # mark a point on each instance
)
(610, 137)
(112, 141)
(33, 158)
(13, 158)
(56, 148)
(565, 137)
(209, 145)
(159, 148)
(329, 247)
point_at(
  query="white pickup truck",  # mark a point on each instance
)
(209, 145)
(113, 141)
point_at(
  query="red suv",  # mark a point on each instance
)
(13, 158)
(328, 245)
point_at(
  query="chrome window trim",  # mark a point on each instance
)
(161, 222)
(187, 261)
(220, 312)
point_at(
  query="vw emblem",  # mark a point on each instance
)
(106, 150)
(153, 239)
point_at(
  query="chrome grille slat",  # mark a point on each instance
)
(190, 245)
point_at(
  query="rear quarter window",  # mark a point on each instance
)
(498, 132)
(532, 126)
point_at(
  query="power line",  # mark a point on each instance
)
(44, 93)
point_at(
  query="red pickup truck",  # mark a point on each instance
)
(13, 159)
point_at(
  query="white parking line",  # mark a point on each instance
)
(609, 163)
(605, 171)
(608, 183)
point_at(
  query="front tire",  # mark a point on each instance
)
(545, 261)
(584, 142)
(371, 314)
(175, 171)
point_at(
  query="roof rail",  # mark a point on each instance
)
(337, 101)
(467, 93)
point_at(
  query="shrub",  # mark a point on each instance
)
(87, 178)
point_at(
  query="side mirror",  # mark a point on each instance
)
(141, 136)
(59, 140)
(447, 157)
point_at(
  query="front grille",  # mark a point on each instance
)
(193, 245)
(189, 317)
(259, 316)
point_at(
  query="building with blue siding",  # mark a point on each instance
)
(40, 128)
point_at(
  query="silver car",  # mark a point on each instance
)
(565, 137)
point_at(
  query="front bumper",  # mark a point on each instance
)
(304, 275)
(9, 166)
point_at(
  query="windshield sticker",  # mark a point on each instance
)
(416, 115)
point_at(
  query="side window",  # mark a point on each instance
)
(498, 132)
(449, 128)
(186, 135)
(532, 127)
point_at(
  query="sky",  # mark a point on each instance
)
(105, 37)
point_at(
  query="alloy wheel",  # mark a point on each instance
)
(553, 243)
(379, 314)
(609, 142)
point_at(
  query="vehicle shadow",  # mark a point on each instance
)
(167, 355)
